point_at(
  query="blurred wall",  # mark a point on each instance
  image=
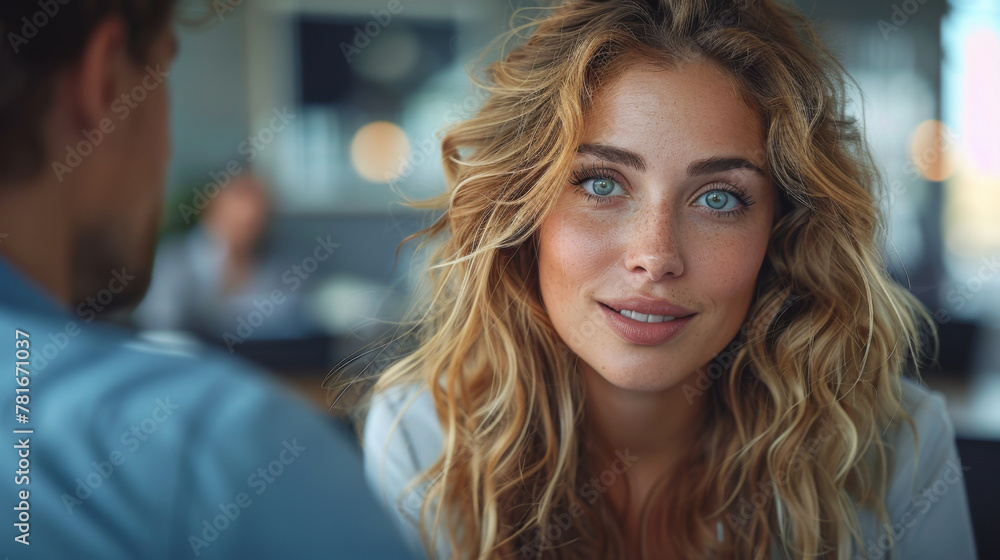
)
(209, 95)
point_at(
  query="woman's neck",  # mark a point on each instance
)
(652, 424)
(634, 439)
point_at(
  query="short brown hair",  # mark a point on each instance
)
(40, 37)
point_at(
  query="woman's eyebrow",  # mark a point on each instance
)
(720, 164)
(631, 159)
(620, 156)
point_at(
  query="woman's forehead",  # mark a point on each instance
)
(659, 110)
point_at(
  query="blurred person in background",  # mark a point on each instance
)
(206, 278)
(128, 449)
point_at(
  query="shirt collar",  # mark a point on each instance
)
(21, 292)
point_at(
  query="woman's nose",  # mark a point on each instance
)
(653, 246)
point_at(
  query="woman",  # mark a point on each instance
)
(658, 325)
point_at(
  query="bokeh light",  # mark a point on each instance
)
(379, 151)
(932, 148)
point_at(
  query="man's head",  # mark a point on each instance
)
(84, 135)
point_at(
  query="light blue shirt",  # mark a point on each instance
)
(140, 450)
(926, 502)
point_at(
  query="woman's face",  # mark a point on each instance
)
(649, 261)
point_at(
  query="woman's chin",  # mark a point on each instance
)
(641, 379)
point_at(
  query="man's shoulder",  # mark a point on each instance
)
(64, 345)
(169, 438)
(95, 382)
(112, 365)
(188, 362)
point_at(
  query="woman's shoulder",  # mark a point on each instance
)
(935, 434)
(919, 458)
(402, 438)
(401, 431)
(925, 497)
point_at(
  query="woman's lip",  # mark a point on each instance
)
(648, 306)
(646, 334)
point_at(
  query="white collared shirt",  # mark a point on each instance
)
(926, 500)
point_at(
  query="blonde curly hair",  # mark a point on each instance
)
(827, 337)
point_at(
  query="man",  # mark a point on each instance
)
(116, 447)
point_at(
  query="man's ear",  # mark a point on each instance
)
(103, 67)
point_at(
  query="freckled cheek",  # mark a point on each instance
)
(575, 254)
(729, 269)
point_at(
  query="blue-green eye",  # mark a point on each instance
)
(721, 201)
(601, 186)
(598, 184)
